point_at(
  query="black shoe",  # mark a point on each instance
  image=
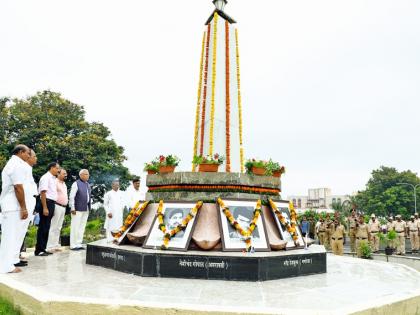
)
(75, 248)
(41, 254)
(81, 248)
(48, 253)
(21, 264)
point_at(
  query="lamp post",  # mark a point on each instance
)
(415, 193)
(220, 4)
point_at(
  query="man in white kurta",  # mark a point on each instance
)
(13, 206)
(133, 193)
(114, 202)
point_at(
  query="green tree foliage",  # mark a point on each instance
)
(57, 130)
(383, 196)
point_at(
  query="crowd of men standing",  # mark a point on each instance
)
(21, 198)
(332, 233)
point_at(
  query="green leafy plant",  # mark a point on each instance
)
(215, 159)
(151, 166)
(250, 163)
(272, 167)
(169, 160)
(365, 250)
(387, 238)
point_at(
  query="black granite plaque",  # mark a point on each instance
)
(129, 262)
(102, 256)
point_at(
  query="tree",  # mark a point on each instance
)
(383, 196)
(57, 130)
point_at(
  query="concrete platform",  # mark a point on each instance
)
(64, 284)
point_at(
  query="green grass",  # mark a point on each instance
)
(7, 308)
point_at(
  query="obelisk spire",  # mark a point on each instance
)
(220, 4)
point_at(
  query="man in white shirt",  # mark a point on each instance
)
(114, 207)
(133, 194)
(13, 206)
(80, 202)
(57, 220)
(48, 193)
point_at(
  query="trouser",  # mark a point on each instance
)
(77, 228)
(414, 240)
(327, 240)
(22, 230)
(9, 239)
(352, 236)
(374, 242)
(321, 236)
(55, 229)
(337, 246)
(401, 243)
(44, 228)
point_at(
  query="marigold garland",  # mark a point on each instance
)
(213, 84)
(291, 228)
(215, 188)
(197, 112)
(227, 97)
(181, 227)
(238, 77)
(135, 212)
(247, 234)
(203, 107)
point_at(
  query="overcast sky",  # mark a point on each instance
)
(331, 89)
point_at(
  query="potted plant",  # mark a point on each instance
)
(208, 163)
(151, 168)
(274, 169)
(387, 239)
(365, 250)
(167, 164)
(256, 167)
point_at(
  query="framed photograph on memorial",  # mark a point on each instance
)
(243, 213)
(283, 207)
(174, 212)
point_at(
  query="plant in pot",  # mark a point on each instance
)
(167, 164)
(256, 167)
(208, 163)
(365, 250)
(151, 167)
(274, 169)
(388, 239)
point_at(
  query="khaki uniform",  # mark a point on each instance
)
(327, 241)
(321, 233)
(362, 236)
(400, 227)
(374, 228)
(413, 231)
(390, 227)
(337, 239)
(352, 233)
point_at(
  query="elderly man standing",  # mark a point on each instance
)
(59, 212)
(48, 195)
(114, 208)
(80, 203)
(13, 205)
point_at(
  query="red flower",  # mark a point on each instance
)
(161, 159)
(216, 156)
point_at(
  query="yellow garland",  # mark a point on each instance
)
(291, 228)
(213, 84)
(238, 77)
(197, 112)
(135, 212)
(247, 234)
(185, 221)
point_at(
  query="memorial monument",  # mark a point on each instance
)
(228, 225)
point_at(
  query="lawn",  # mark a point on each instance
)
(7, 309)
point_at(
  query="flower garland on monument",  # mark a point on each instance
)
(247, 234)
(135, 212)
(227, 53)
(213, 84)
(291, 228)
(238, 79)
(167, 235)
(206, 72)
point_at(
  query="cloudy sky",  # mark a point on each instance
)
(331, 89)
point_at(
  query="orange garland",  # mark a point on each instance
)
(131, 218)
(227, 98)
(216, 188)
(206, 71)
(291, 228)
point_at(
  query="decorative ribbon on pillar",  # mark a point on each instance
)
(203, 107)
(238, 75)
(213, 84)
(227, 41)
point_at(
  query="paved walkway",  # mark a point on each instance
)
(350, 285)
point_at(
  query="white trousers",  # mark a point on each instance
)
(55, 229)
(23, 226)
(77, 228)
(10, 229)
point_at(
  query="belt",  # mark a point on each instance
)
(400, 231)
(321, 231)
(413, 230)
(337, 239)
(374, 232)
(361, 238)
(59, 204)
(352, 228)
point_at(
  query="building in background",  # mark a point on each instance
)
(318, 198)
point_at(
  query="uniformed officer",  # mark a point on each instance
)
(417, 220)
(328, 224)
(337, 238)
(400, 227)
(352, 222)
(374, 228)
(413, 232)
(362, 235)
(321, 231)
(390, 227)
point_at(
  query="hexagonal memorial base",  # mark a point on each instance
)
(208, 265)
